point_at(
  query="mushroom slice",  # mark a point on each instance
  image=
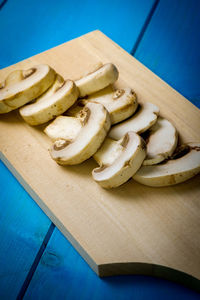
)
(11, 79)
(95, 121)
(161, 142)
(63, 127)
(182, 167)
(21, 87)
(120, 103)
(119, 160)
(95, 81)
(145, 117)
(56, 100)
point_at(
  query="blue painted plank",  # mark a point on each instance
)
(30, 27)
(63, 274)
(170, 46)
(23, 227)
(2, 3)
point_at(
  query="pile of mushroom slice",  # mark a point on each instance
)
(81, 131)
(40, 94)
(93, 119)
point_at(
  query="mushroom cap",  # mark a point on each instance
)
(143, 119)
(56, 100)
(172, 171)
(21, 87)
(63, 127)
(95, 81)
(162, 142)
(120, 103)
(119, 160)
(95, 125)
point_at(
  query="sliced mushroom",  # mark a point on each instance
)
(12, 78)
(95, 125)
(66, 128)
(173, 171)
(144, 118)
(56, 100)
(161, 142)
(120, 104)
(21, 87)
(95, 81)
(119, 160)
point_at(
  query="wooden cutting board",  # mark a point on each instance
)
(132, 229)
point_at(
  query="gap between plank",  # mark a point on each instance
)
(36, 262)
(146, 23)
(2, 4)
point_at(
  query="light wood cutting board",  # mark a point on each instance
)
(132, 229)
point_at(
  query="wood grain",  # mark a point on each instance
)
(117, 229)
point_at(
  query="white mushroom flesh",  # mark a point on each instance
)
(162, 142)
(61, 95)
(95, 81)
(142, 120)
(66, 128)
(109, 152)
(12, 78)
(119, 160)
(120, 103)
(24, 86)
(173, 171)
(96, 123)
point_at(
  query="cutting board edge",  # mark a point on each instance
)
(157, 77)
(49, 49)
(147, 269)
(108, 269)
(49, 214)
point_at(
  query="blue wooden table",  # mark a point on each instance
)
(36, 261)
